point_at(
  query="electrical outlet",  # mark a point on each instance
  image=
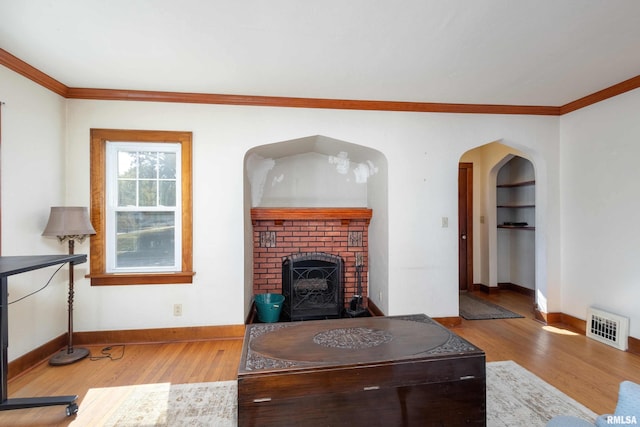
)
(380, 296)
(445, 222)
(177, 309)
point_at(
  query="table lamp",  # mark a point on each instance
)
(69, 223)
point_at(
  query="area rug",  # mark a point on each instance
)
(163, 404)
(474, 308)
(515, 398)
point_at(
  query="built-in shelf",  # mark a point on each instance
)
(512, 189)
(515, 227)
(516, 222)
(517, 184)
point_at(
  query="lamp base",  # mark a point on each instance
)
(65, 358)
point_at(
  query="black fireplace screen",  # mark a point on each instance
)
(312, 286)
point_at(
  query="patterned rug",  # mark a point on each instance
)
(474, 308)
(515, 397)
(163, 404)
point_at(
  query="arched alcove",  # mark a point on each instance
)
(515, 218)
(320, 172)
(488, 159)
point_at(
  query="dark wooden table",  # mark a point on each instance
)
(9, 266)
(374, 371)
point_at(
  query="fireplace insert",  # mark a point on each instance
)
(312, 286)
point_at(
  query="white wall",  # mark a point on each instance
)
(422, 151)
(313, 171)
(311, 180)
(600, 201)
(33, 176)
(378, 200)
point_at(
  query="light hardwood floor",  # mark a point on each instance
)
(586, 370)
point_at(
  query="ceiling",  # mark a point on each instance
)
(508, 52)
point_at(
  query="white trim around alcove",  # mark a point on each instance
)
(363, 168)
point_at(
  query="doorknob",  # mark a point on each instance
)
(463, 237)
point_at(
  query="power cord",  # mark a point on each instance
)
(107, 354)
(35, 292)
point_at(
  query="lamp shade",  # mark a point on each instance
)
(71, 222)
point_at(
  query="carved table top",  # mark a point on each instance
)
(340, 342)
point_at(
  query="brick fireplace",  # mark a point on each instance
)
(281, 232)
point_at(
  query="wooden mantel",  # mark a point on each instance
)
(282, 214)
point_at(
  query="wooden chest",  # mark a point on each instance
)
(373, 371)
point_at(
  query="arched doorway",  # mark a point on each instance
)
(490, 267)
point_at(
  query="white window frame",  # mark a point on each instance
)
(112, 208)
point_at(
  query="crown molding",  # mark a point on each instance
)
(610, 92)
(13, 63)
(19, 66)
(278, 101)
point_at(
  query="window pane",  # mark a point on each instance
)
(148, 193)
(145, 239)
(126, 164)
(167, 193)
(126, 193)
(148, 163)
(167, 165)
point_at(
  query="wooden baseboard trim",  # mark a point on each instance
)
(540, 316)
(486, 289)
(517, 288)
(29, 360)
(198, 333)
(253, 314)
(374, 309)
(449, 322)
(504, 287)
(547, 318)
(134, 336)
(160, 335)
(579, 325)
(576, 324)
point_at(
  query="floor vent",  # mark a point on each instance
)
(608, 328)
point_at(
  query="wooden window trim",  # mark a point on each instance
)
(97, 271)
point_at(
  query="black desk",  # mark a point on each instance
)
(10, 265)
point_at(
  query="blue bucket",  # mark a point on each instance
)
(269, 307)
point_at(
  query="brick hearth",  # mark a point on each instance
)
(278, 232)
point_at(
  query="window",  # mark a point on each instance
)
(141, 207)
